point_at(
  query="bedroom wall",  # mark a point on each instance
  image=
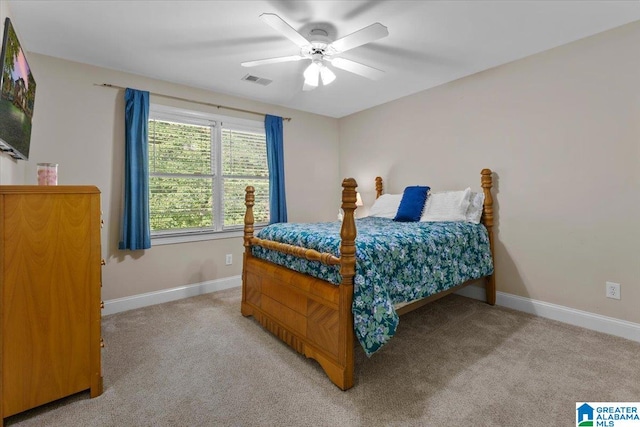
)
(12, 172)
(561, 130)
(80, 126)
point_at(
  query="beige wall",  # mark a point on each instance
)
(80, 126)
(561, 130)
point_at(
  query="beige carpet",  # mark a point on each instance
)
(455, 362)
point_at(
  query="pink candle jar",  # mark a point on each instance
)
(47, 174)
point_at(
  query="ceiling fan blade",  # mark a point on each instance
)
(280, 25)
(357, 68)
(366, 35)
(291, 58)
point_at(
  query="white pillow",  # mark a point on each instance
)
(474, 212)
(447, 206)
(386, 206)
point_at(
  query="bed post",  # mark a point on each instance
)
(347, 270)
(378, 186)
(249, 199)
(487, 219)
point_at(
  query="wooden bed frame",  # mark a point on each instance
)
(314, 316)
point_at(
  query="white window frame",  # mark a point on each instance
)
(218, 231)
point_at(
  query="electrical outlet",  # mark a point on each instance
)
(612, 290)
(229, 259)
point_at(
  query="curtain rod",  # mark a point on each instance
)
(191, 100)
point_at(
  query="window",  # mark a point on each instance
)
(199, 166)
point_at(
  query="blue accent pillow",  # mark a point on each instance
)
(412, 204)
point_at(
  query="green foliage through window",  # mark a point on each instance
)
(186, 192)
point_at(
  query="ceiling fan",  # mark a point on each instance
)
(320, 50)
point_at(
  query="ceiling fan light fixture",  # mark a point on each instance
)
(311, 74)
(327, 75)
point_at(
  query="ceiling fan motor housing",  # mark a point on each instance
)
(320, 44)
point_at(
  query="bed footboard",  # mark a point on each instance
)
(302, 311)
(310, 315)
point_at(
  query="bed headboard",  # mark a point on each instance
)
(486, 182)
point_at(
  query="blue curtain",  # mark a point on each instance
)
(275, 162)
(135, 228)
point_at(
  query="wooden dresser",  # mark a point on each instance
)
(50, 279)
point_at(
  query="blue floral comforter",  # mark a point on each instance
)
(395, 262)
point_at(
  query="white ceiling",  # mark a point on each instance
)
(202, 43)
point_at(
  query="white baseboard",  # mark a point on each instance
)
(142, 300)
(595, 322)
